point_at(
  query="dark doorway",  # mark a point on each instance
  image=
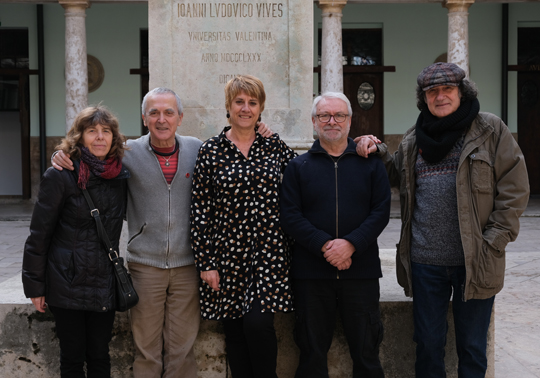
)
(529, 102)
(145, 75)
(14, 114)
(363, 79)
(143, 70)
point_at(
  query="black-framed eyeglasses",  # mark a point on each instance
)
(337, 117)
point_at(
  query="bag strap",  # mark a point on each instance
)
(94, 212)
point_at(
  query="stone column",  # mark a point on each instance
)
(332, 51)
(76, 70)
(458, 32)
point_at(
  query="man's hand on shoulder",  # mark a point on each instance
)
(338, 253)
(264, 130)
(61, 160)
(366, 144)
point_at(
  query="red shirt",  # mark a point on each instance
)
(168, 164)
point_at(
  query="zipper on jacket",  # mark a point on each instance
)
(337, 198)
(167, 249)
(168, 229)
(337, 203)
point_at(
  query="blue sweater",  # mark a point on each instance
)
(322, 200)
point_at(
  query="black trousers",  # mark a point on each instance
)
(317, 304)
(84, 337)
(251, 344)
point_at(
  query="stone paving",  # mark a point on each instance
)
(13, 235)
(517, 307)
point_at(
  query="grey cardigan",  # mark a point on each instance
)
(158, 213)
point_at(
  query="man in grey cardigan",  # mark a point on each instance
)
(166, 320)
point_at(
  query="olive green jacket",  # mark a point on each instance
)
(492, 192)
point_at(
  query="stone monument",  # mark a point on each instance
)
(195, 47)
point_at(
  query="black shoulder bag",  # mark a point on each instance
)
(126, 296)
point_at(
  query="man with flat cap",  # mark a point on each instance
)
(463, 185)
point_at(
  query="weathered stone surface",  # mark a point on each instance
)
(458, 32)
(331, 54)
(28, 345)
(76, 68)
(197, 46)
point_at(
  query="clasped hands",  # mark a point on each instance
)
(338, 253)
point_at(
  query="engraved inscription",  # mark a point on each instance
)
(223, 79)
(225, 38)
(209, 36)
(240, 57)
(192, 10)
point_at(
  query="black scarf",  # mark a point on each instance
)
(435, 137)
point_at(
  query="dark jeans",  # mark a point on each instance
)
(251, 344)
(317, 303)
(432, 288)
(84, 336)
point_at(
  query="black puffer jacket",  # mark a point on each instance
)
(63, 256)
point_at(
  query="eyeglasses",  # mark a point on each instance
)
(337, 117)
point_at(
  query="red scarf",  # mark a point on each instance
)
(106, 169)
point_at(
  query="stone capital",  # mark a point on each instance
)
(80, 4)
(331, 6)
(458, 5)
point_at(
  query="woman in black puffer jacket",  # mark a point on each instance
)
(65, 266)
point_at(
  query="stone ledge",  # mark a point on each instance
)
(28, 345)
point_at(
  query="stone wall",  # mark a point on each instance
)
(29, 346)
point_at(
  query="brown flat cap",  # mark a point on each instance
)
(440, 74)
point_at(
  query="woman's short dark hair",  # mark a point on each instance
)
(88, 117)
(467, 91)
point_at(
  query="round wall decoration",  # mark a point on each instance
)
(96, 73)
(365, 96)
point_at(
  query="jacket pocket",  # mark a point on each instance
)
(137, 234)
(481, 172)
(491, 266)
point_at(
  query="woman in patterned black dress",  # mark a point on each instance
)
(240, 250)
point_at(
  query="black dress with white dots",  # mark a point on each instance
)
(235, 226)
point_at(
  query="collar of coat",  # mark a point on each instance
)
(317, 148)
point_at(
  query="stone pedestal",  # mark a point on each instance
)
(458, 32)
(331, 45)
(195, 47)
(29, 346)
(76, 66)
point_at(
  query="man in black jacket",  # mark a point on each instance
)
(335, 204)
